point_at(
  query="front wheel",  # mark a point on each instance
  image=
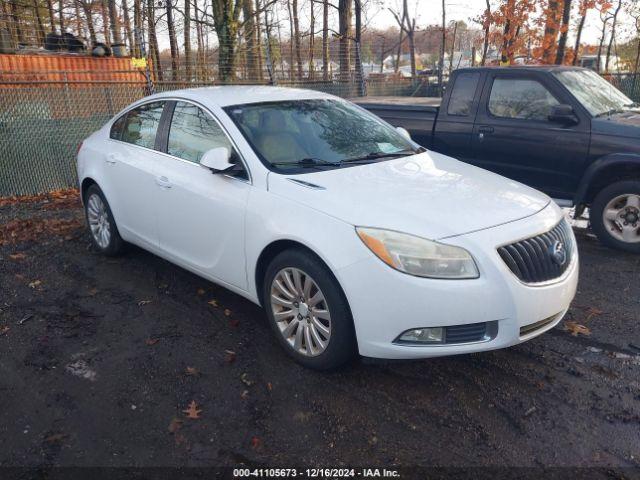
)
(308, 311)
(615, 215)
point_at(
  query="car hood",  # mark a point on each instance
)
(428, 194)
(625, 124)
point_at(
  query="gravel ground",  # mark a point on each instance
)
(100, 359)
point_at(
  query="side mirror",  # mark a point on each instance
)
(563, 114)
(217, 160)
(404, 132)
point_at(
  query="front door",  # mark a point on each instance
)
(514, 137)
(200, 214)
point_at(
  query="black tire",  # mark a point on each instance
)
(342, 345)
(598, 225)
(115, 246)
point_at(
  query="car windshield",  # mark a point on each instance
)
(317, 133)
(597, 95)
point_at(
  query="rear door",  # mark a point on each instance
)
(129, 165)
(514, 137)
(454, 125)
(200, 214)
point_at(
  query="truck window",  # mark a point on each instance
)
(462, 95)
(520, 98)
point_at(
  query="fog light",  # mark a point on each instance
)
(423, 335)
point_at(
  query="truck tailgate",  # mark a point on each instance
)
(416, 114)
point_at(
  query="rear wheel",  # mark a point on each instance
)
(307, 311)
(102, 226)
(615, 215)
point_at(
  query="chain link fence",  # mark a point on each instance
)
(42, 124)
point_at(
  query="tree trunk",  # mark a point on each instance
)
(551, 27)
(61, 16)
(114, 22)
(200, 57)
(576, 48)
(250, 37)
(312, 34)
(15, 21)
(154, 52)
(225, 18)
(127, 25)
(187, 40)
(105, 23)
(562, 43)
(39, 25)
(296, 38)
(487, 28)
(88, 15)
(442, 47)
(137, 28)
(325, 40)
(453, 47)
(614, 21)
(344, 20)
(173, 43)
(600, 45)
(258, 52)
(52, 18)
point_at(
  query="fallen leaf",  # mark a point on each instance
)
(55, 438)
(18, 256)
(151, 341)
(269, 386)
(234, 322)
(193, 411)
(92, 292)
(255, 442)
(35, 284)
(227, 312)
(142, 303)
(200, 291)
(245, 379)
(592, 312)
(213, 303)
(229, 356)
(575, 329)
(175, 425)
(192, 371)
(4, 330)
(244, 394)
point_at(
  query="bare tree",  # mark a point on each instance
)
(614, 21)
(583, 9)
(39, 25)
(325, 40)
(487, 28)
(442, 47)
(296, 37)
(114, 22)
(52, 20)
(408, 26)
(153, 40)
(173, 43)
(312, 36)
(344, 21)
(105, 22)
(127, 25)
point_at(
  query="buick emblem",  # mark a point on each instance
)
(558, 253)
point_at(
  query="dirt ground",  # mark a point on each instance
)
(100, 359)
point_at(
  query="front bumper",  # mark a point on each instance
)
(385, 302)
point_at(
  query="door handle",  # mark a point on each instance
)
(163, 182)
(485, 129)
(111, 159)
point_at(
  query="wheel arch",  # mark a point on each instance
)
(605, 171)
(84, 186)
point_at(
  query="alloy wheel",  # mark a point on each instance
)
(98, 219)
(300, 311)
(621, 216)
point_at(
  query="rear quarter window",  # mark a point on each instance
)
(116, 128)
(463, 93)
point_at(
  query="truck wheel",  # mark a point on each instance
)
(615, 215)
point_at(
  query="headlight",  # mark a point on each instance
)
(418, 256)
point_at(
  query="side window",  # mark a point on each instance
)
(117, 127)
(520, 98)
(142, 123)
(193, 132)
(463, 93)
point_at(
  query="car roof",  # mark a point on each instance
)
(226, 95)
(511, 68)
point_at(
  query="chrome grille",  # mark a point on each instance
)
(536, 259)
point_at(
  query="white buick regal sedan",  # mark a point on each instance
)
(352, 237)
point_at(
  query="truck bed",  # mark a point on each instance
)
(416, 114)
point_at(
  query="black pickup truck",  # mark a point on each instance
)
(563, 130)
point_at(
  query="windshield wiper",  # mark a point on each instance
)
(377, 155)
(307, 162)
